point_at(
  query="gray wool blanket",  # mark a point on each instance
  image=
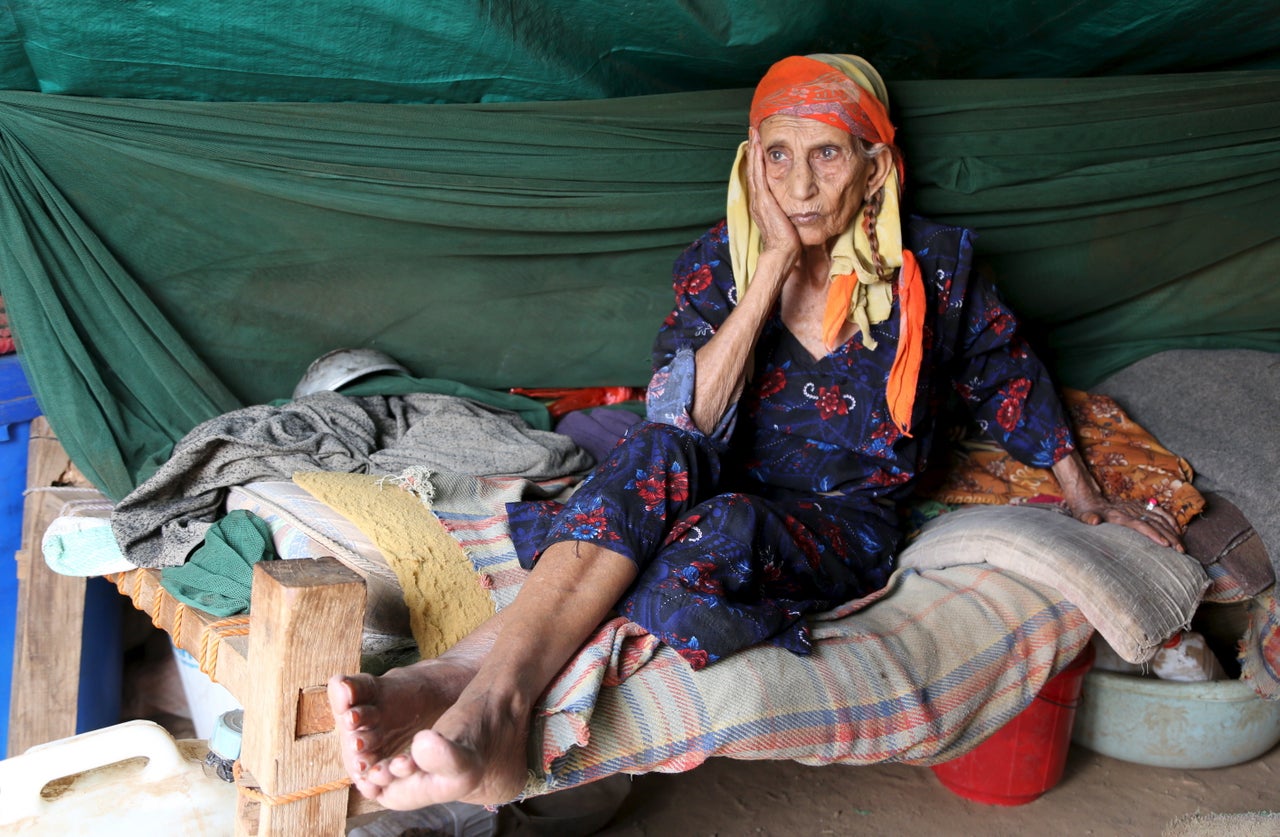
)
(165, 518)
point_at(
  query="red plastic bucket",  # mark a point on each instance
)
(1026, 756)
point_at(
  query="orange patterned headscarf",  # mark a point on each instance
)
(846, 92)
(813, 89)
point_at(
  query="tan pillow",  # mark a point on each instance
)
(441, 588)
(1135, 592)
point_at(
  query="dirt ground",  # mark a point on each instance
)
(1098, 795)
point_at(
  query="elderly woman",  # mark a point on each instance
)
(815, 335)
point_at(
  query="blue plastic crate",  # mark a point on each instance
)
(101, 657)
(17, 404)
(17, 408)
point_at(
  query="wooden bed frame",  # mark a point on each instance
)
(289, 777)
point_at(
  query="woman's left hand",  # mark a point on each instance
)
(1149, 518)
(1089, 505)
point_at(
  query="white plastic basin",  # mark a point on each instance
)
(1170, 724)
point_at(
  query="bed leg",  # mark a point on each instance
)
(306, 620)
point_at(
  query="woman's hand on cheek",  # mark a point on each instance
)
(776, 230)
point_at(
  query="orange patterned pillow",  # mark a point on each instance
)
(1127, 461)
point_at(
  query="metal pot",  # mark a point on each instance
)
(333, 370)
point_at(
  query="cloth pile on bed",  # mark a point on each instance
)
(919, 672)
(162, 520)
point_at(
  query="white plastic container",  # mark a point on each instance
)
(206, 699)
(129, 779)
(1187, 658)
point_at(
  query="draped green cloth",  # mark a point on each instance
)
(166, 261)
(538, 50)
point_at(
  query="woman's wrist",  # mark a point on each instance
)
(1079, 489)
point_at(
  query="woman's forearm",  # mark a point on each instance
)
(1079, 489)
(722, 361)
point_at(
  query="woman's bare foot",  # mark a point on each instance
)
(476, 753)
(376, 717)
(465, 717)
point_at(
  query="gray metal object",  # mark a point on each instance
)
(335, 369)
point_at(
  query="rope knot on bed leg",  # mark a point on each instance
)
(211, 638)
(246, 785)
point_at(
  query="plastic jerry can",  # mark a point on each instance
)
(127, 779)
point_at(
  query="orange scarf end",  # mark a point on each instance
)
(904, 375)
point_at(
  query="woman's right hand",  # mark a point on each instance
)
(776, 230)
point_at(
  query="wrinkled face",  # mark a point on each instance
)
(816, 175)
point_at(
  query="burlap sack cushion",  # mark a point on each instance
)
(1133, 591)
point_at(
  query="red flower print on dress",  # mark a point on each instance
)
(660, 485)
(696, 658)
(1000, 321)
(829, 400)
(700, 577)
(687, 524)
(592, 525)
(1063, 443)
(773, 381)
(886, 432)
(1009, 413)
(834, 536)
(882, 477)
(695, 282)
(1014, 397)
(804, 539)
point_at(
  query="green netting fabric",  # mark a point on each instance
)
(478, 50)
(164, 262)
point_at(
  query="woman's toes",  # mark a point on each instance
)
(367, 789)
(401, 766)
(362, 718)
(356, 689)
(378, 774)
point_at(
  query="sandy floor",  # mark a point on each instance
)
(1097, 796)
(725, 797)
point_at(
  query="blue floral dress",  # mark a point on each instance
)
(790, 505)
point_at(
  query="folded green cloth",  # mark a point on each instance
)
(219, 573)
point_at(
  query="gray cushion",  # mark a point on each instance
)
(1220, 410)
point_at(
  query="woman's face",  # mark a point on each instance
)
(816, 175)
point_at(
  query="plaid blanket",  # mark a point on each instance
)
(920, 672)
(1260, 648)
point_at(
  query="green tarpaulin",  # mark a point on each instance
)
(167, 261)
(531, 50)
(236, 188)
